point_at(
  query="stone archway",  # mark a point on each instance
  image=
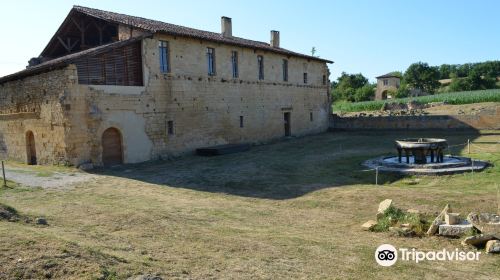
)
(112, 150)
(30, 148)
(384, 94)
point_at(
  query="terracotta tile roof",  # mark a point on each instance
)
(177, 30)
(388, 75)
(65, 60)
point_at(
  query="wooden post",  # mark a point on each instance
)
(498, 199)
(3, 173)
(468, 146)
(376, 175)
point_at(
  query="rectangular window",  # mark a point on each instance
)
(164, 57)
(234, 63)
(170, 127)
(211, 61)
(260, 63)
(285, 70)
(241, 121)
(324, 79)
(311, 116)
(386, 82)
(305, 78)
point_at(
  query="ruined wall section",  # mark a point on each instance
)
(36, 104)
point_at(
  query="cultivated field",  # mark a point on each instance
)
(281, 211)
(454, 98)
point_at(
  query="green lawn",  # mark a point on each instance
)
(282, 211)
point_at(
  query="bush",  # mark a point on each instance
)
(394, 216)
(365, 93)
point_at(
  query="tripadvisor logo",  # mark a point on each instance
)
(387, 255)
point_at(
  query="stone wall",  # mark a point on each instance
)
(37, 104)
(205, 110)
(477, 122)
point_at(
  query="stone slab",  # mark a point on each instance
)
(455, 230)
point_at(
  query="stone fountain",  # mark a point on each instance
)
(420, 148)
(424, 156)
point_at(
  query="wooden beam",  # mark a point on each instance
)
(82, 27)
(68, 46)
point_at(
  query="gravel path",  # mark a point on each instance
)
(49, 180)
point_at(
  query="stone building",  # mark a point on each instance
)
(385, 84)
(111, 88)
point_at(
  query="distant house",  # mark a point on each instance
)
(385, 84)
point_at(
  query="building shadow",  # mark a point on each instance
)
(287, 169)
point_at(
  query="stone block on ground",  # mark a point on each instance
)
(493, 246)
(438, 220)
(452, 218)
(487, 223)
(383, 206)
(369, 225)
(478, 240)
(455, 230)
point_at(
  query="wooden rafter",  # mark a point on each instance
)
(82, 27)
(68, 45)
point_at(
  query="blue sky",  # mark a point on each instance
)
(371, 37)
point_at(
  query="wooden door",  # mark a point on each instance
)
(30, 148)
(112, 147)
(288, 129)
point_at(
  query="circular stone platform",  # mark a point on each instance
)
(449, 165)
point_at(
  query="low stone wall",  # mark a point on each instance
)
(478, 122)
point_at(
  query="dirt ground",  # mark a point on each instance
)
(290, 210)
(46, 177)
(466, 109)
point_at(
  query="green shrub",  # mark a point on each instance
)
(394, 216)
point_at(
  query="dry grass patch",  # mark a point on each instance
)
(281, 211)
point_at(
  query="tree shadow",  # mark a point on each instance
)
(284, 170)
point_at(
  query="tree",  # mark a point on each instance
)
(422, 76)
(346, 86)
(365, 93)
(402, 91)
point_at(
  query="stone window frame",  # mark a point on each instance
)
(285, 70)
(164, 56)
(170, 128)
(260, 66)
(385, 82)
(305, 77)
(211, 61)
(234, 64)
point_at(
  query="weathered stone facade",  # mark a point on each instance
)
(36, 104)
(205, 110)
(68, 119)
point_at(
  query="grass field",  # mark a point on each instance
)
(455, 98)
(282, 211)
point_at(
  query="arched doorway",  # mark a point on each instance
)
(384, 94)
(112, 147)
(30, 148)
